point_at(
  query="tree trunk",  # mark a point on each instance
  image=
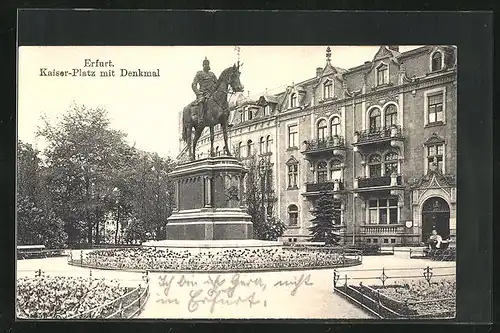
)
(117, 224)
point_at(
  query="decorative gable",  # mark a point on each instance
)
(292, 161)
(434, 139)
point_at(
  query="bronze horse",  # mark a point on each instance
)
(216, 112)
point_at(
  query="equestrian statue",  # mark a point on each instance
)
(210, 107)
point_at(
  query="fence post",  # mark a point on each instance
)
(139, 295)
(410, 252)
(378, 300)
(90, 272)
(81, 257)
(346, 281)
(428, 274)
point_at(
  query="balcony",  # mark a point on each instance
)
(382, 229)
(331, 144)
(314, 188)
(391, 134)
(393, 180)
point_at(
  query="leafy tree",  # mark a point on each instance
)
(36, 221)
(152, 193)
(260, 198)
(82, 158)
(325, 224)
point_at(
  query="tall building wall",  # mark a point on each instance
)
(406, 83)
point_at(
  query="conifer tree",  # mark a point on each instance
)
(326, 222)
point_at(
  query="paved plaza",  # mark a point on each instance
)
(285, 294)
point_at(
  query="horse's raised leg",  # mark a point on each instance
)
(224, 133)
(211, 140)
(197, 134)
(189, 142)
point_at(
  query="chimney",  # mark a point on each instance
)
(393, 47)
(319, 70)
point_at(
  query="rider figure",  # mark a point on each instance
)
(206, 80)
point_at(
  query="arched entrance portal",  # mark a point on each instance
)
(435, 215)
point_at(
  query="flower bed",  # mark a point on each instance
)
(224, 260)
(405, 300)
(424, 299)
(63, 297)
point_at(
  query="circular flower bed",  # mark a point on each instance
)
(63, 297)
(223, 260)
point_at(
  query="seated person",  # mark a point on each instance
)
(435, 241)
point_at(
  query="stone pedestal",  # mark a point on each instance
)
(209, 201)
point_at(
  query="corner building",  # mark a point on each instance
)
(380, 138)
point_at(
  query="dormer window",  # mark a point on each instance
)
(382, 74)
(249, 114)
(437, 61)
(267, 110)
(327, 89)
(293, 100)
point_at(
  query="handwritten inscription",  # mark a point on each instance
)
(213, 291)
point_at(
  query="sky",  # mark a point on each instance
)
(147, 108)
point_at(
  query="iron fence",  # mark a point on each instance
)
(383, 306)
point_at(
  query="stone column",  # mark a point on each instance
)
(208, 192)
(177, 195)
(242, 190)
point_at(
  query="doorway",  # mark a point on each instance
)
(435, 215)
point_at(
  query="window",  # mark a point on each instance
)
(293, 175)
(435, 155)
(238, 149)
(217, 152)
(249, 148)
(436, 61)
(375, 240)
(321, 172)
(293, 101)
(293, 139)
(375, 120)
(374, 166)
(250, 114)
(391, 115)
(336, 170)
(337, 212)
(267, 110)
(383, 211)
(327, 89)
(391, 163)
(435, 108)
(293, 215)
(386, 241)
(382, 74)
(269, 143)
(262, 146)
(393, 241)
(321, 130)
(335, 126)
(368, 240)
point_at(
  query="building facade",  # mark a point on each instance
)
(380, 138)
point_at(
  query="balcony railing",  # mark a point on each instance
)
(379, 181)
(325, 186)
(329, 142)
(382, 229)
(379, 134)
